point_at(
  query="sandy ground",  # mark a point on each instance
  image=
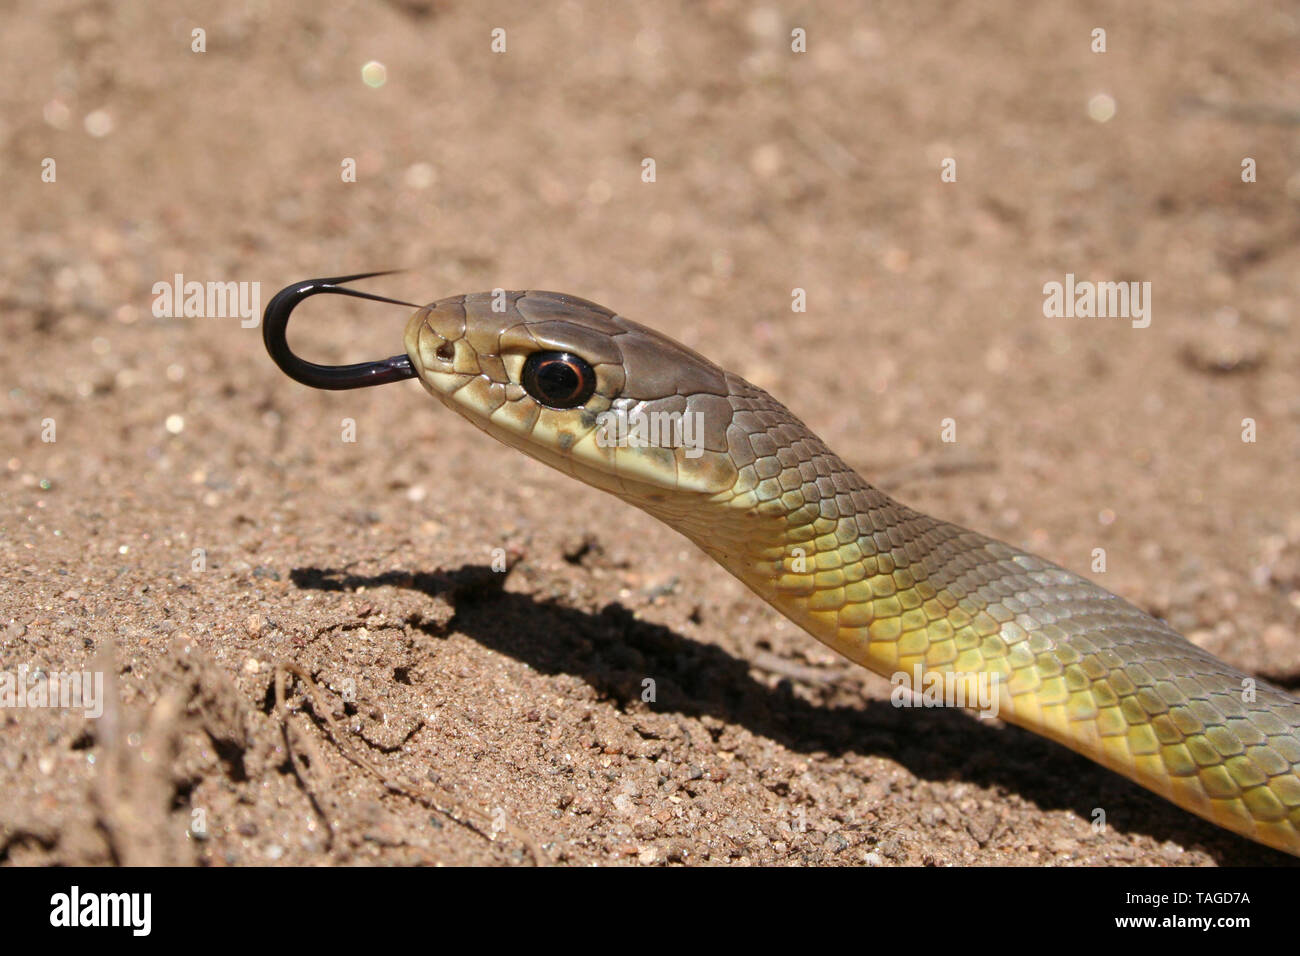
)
(199, 519)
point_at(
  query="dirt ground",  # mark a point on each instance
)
(199, 519)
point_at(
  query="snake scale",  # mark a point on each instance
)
(890, 588)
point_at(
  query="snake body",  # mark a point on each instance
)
(884, 585)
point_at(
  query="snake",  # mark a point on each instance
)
(888, 587)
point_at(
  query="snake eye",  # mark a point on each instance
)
(558, 379)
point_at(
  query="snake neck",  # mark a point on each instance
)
(834, 555)
(807, 533)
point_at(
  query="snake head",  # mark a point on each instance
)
(601, 398)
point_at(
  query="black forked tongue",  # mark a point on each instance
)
(275, 321)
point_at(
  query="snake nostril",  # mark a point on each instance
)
(446, 351)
